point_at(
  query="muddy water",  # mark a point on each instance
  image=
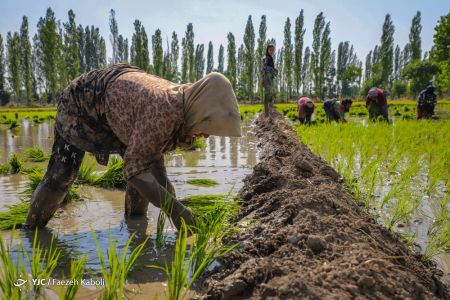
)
(226, 160)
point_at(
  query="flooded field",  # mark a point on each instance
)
(225, 160)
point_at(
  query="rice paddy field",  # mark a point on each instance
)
(397, 173)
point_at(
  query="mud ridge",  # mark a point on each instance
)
(307, 238)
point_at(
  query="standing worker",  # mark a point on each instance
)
(335, 110)
(269, 72)
(426, 103)
(305, 109)
(377, 105)
(122, 109)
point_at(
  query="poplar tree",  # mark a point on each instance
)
(260, 52)
(387, 51)
(48, 35)
(221, 59)
(298, 51)
(287, 56)
(26, 75)
(157, 53)
(319, 25)
(397, 62)
(199, 61)
(139, 47)
(368, 66)
(82, 48)
(13, 46)
(190, 52)
(231, 60)
(114, 36)
(184, 61)
(71, 46)
(174, 54)
(306, 74)
(249, 57)
(415, 42)
(210, 58)
(3, 92)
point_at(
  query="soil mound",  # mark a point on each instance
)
(308, 239)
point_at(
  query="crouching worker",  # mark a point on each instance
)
(123, 110)
(305, 110)
(335, 110)
(377, 105)
(426, 103)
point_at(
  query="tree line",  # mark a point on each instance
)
(40, 67)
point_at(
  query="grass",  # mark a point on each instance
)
(35, 154)
(115, 266)
(202, 182)
(86, 173)
(390, 168)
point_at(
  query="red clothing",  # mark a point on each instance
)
(301, 106)
(381, 98)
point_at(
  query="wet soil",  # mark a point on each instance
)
(308, 239)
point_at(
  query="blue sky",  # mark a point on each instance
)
(359, 22)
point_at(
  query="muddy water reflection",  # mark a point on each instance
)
(226, 160)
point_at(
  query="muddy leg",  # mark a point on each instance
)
(61, 173)
(134, 203)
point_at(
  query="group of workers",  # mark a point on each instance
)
(376, 104)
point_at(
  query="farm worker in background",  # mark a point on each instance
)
(377, 105)
(269, 72)
(305, 109)
(122, 109)
(335, 110)
(426, 103)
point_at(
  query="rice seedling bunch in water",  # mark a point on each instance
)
(42, 262)
(35, 154)
(15, 216)
(113, 177)
(12, 270)
(86, 173)
(202, 182)
(16, 163)
(116, 266)
(77, 268)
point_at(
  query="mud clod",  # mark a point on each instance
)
(308, 239)
(316, 243)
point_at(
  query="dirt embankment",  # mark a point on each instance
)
(310, 240)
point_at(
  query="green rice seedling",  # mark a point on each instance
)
(15, 216)
(77, 269)
(199, 143)
(35, 154)
(202, 205)
(178, 273)
(113, 177)
(16, 163)
(438, 241)
(42, 262)
(5, 169)
(207, 246)
(402, 212)
(86, 174)
(202, 182)
(12, 270)
(164, 210)
(115, 267)
(13, 124)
